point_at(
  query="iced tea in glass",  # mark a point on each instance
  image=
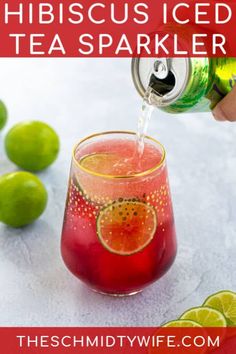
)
(118, 235)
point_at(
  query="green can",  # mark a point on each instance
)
(180, 85)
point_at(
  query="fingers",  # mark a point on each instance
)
(226, 109)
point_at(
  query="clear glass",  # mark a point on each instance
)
(118, 235)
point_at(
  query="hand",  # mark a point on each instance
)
(226, 109)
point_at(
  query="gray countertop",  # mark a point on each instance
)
(79, 97)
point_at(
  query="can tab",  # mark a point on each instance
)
(161, 68)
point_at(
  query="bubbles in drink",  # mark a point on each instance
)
(118, 157)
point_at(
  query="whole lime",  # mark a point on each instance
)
(3, 115)
(23, 198)
(32, 145)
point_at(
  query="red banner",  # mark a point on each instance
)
(118, 340)
(117, 29)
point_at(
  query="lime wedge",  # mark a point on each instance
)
(225, 302)
(182, 323)
(205, 316)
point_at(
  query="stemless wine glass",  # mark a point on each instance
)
(118, 234)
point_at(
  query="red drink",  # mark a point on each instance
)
(118, 235)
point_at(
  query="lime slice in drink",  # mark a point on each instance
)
(126, 227)
(205, 316)
(182, 323)
(95, 165)
(100, 163)
(225, 302)
(106, 166)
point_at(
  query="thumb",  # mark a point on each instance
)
(226, 109)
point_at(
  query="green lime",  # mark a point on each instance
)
(23, 198)
(32, 145)
(182, 323)
(225, 302)
(205, 316)
(3, 115)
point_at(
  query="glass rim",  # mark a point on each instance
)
(127, 132)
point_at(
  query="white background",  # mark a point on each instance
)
(79, 97)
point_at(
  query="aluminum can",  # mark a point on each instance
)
(184, 84)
